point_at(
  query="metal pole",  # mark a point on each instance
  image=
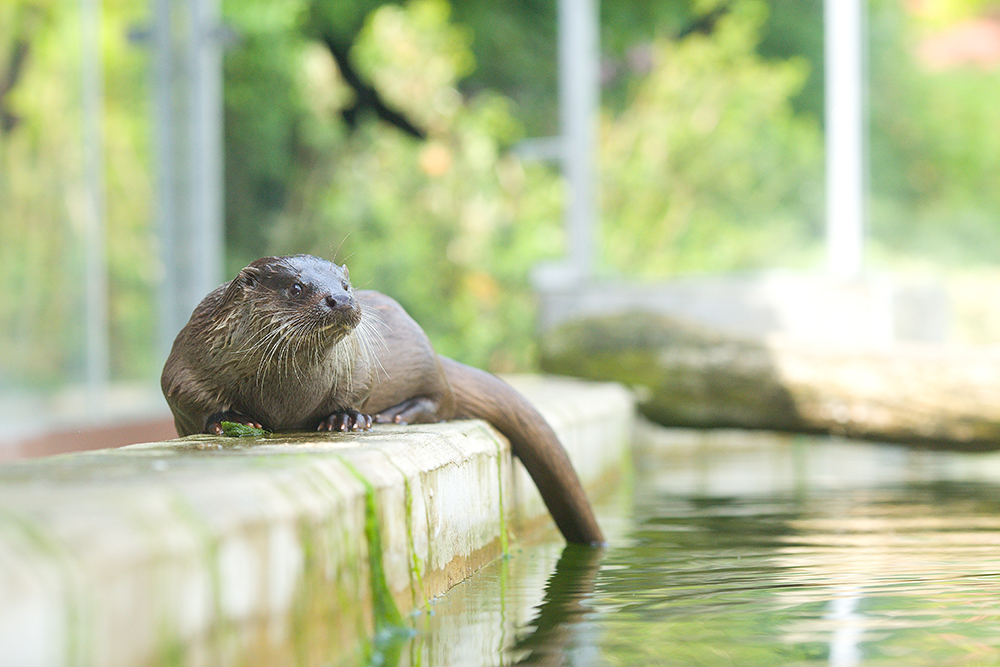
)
(205, 150)
(187, 42)
(166, 201)
(845, 154)
(579, 97)
(94, 245)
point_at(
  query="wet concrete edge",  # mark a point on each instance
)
(206, 551)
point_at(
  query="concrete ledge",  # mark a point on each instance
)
(257, 551)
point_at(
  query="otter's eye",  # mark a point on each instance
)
(346, 285)
(296, 289)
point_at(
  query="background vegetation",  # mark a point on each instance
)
(710, 139)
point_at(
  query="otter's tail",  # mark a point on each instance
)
(480, 395)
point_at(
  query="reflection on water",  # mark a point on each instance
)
(752, 550)
(860, 576)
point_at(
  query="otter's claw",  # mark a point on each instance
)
(346, 420)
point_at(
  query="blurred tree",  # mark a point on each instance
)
(42, 193)
(709, 140)
(709, 168)
(338, 30)
(449, 226)
(24, 22)
(263, 109)
(513, 51)
(794, 29)
(704, 106)
(935, 151)
(515, 47)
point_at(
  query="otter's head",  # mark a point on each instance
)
(296, 302)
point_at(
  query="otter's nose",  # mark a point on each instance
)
(339, 301)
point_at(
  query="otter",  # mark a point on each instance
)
(289, 345)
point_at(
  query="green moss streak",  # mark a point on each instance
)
(77, 631)
(416, 567)
(504, 546)
(391, 631)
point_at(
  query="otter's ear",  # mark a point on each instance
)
(246, 279)
(347, 274)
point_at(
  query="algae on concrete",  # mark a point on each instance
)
(236, 430)
(390, 627)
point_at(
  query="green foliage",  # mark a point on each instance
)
(794, 29)
(237, 430)
(515, 55)
(263, 107)
(35, 314)
(449, 227)
(710, 157)
(43, 200)
(935, 152)
(708, 168)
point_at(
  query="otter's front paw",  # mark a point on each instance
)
(346, 420)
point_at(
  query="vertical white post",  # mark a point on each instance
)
(579, 98)
(187, 42)
(205, 152)
(94, 246)
(165, 141)
(845, 161)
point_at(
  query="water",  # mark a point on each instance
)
(736, 549)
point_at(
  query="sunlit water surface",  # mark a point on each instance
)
(737, 549)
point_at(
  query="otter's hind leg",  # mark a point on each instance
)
(416, 410)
